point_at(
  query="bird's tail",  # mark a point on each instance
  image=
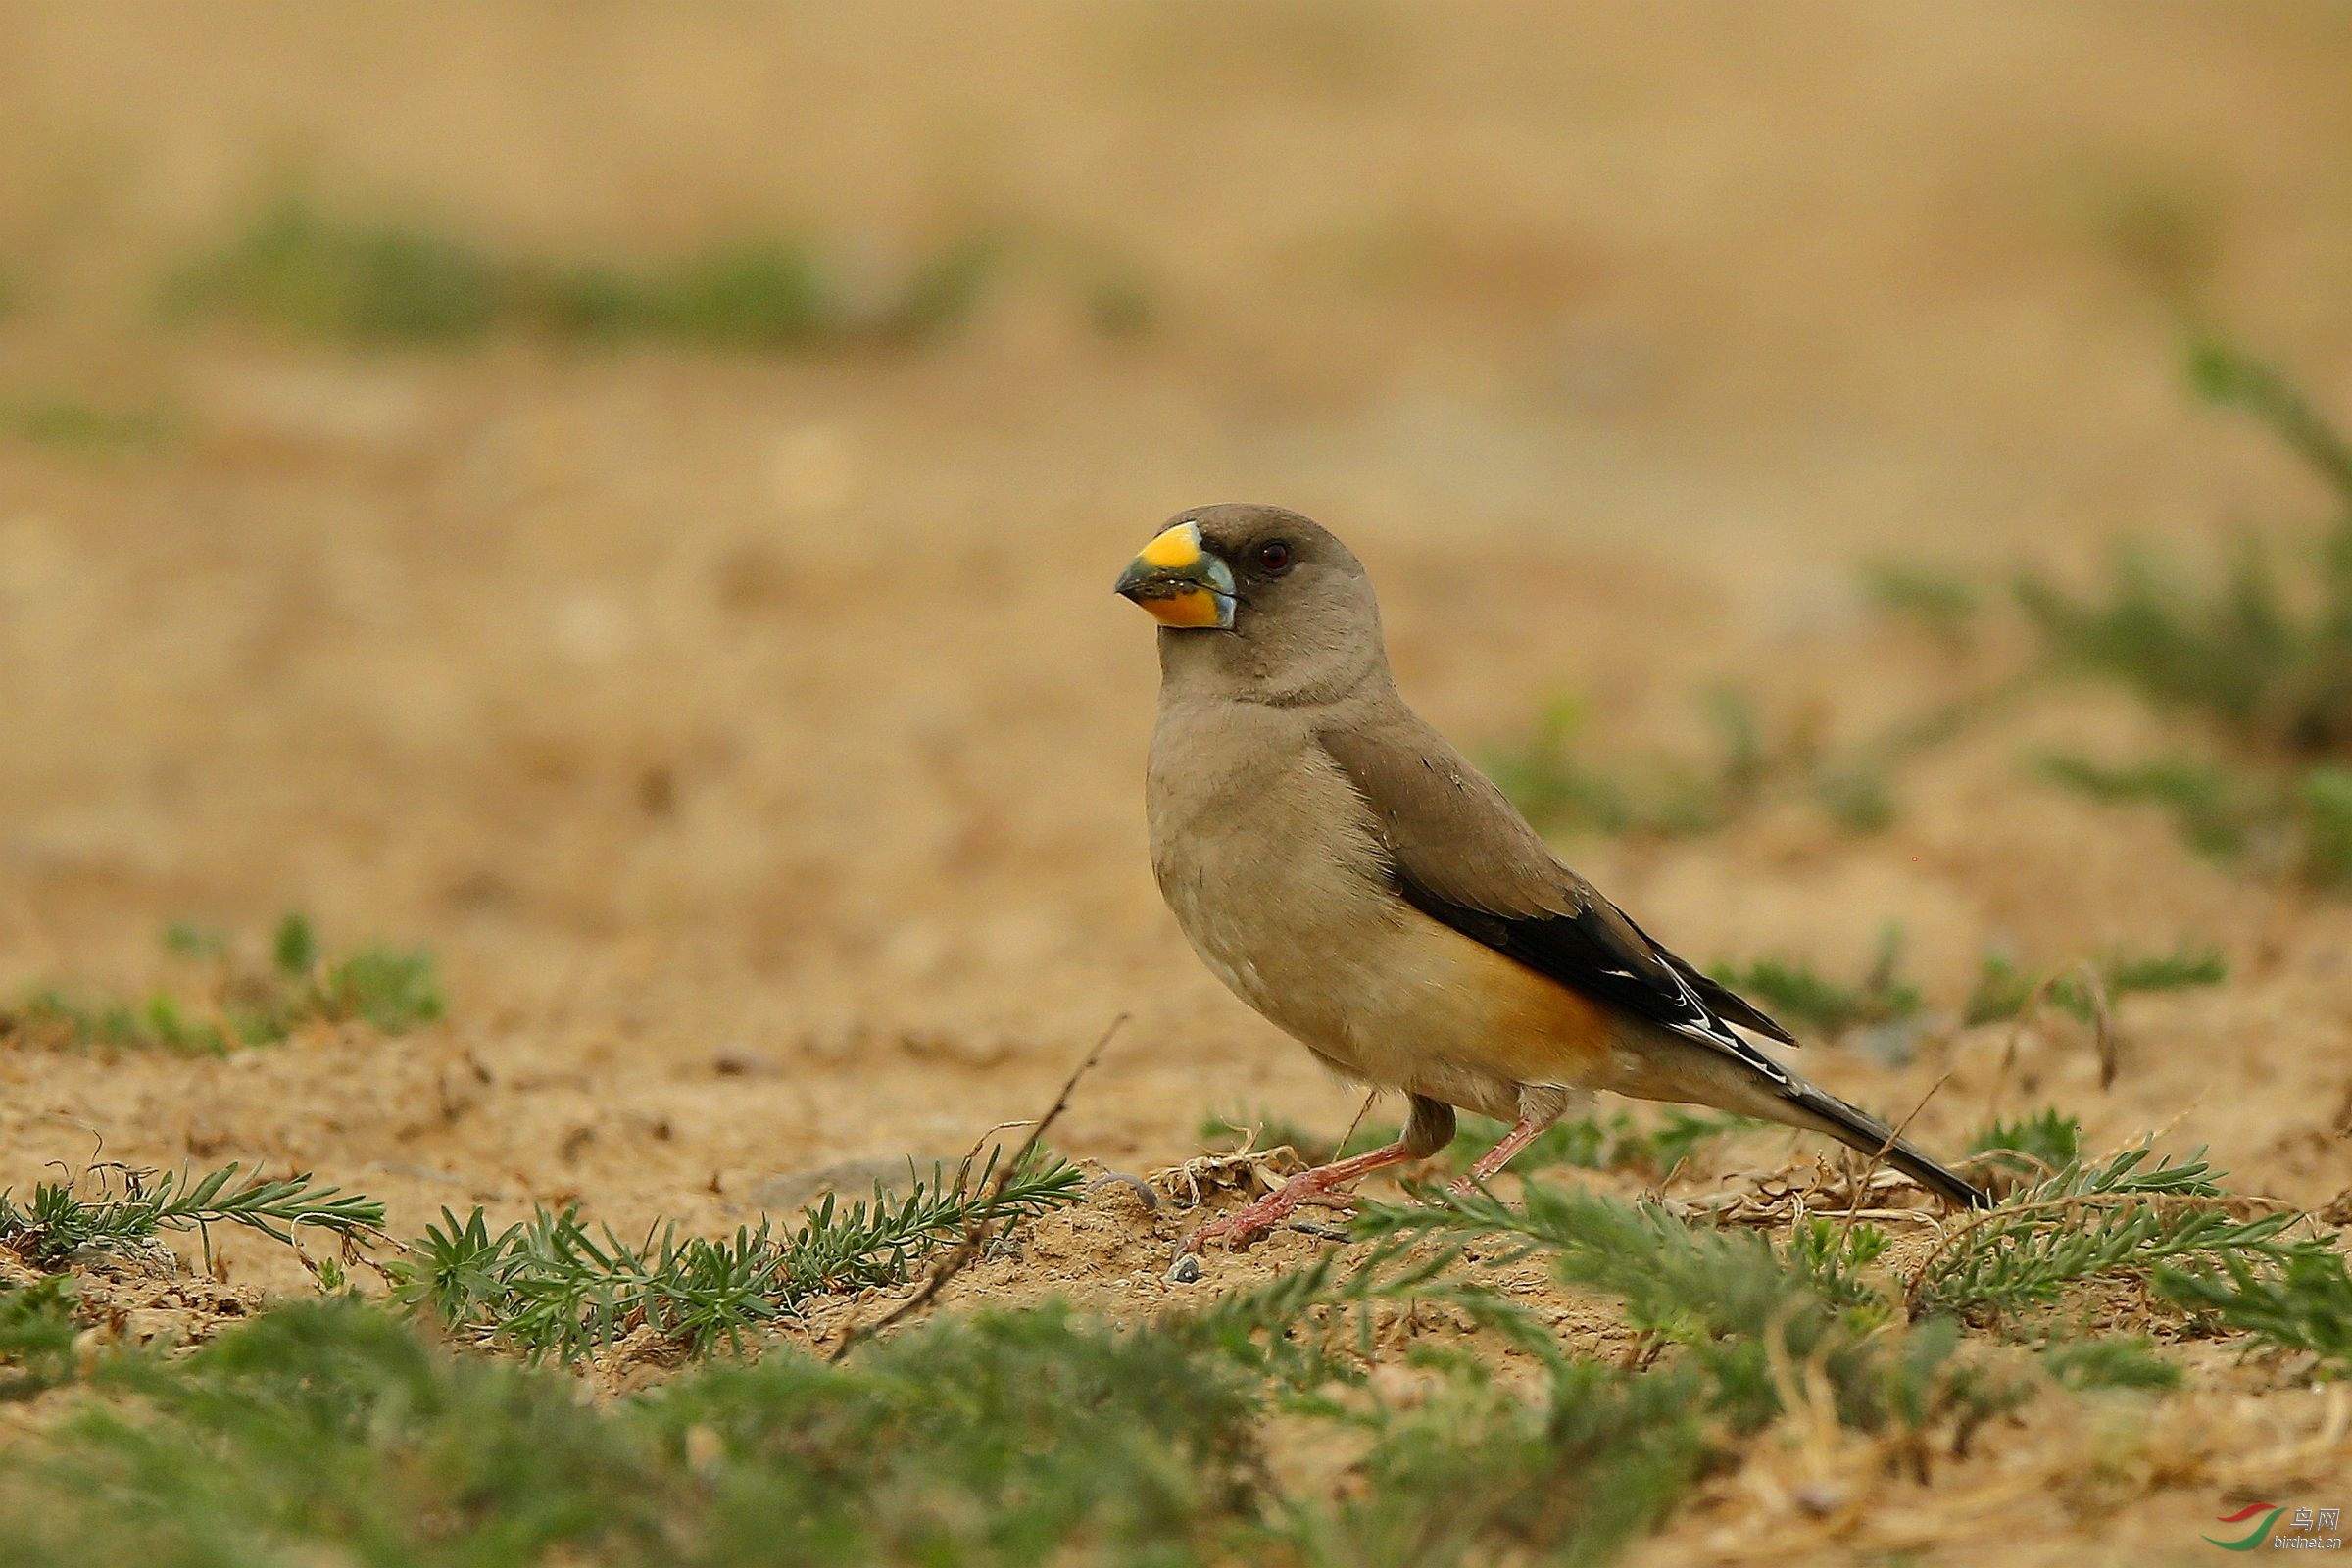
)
(1859, 1130)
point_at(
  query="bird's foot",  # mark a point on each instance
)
(1245, 1225)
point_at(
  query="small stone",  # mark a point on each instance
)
(1186, 1271)
(1821, 1498)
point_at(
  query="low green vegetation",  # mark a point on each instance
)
(1802, 996)
(2303, 1306)
(1555, 777)
(37, 1335)
(239, 1003)
(1562, 789)
(2291, 820)
(307, 272)
(2124, 1216)
(548, 1286)
(1941, 603)
(338, 1427)
(1805, 999)
(74, 424)
(2114, 1362)
(2002, 989)
(2037, 1145)
(2265, 657)
(62, 1219)
(2258, 655)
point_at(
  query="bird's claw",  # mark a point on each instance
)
(1245, 1225)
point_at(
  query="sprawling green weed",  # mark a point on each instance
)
(549, 1285)
(393, 990)
(62, 1219)
(1800, 995)
(2002, 989)
(307, 272)
(336, 1430)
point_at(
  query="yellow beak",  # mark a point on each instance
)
(1178, 583)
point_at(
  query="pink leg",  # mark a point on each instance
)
(1523, 1133)
(1308, 1186)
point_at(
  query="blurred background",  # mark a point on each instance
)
(625, 497)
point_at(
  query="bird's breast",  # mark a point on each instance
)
(1273, 867)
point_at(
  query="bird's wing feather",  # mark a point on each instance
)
(1463, 855)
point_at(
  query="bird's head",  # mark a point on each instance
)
(1259, 600)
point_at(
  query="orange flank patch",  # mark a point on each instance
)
(1539, 1030)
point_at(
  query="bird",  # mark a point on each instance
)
(1350, 875)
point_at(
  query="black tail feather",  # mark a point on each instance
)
(1861, 1131)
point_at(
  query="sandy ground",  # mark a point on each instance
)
(754, 741)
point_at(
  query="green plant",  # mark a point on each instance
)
(393, 990)
(1831, 1254)
(58, 1221)
(2264, 656)
(1944, 603)
(2041, 1144)
(2002, 989)
(1737, 1306)
(332, 1428)
(1548, 777)
(548, 1286)
(37, 1335)
(1798, 994)
(303, 271)
(2325, 807)
(1477, 1475)
(2110, 1362)
(70, 423)
(308, 273)
(2302, 1301)
(2227, 374)
(2217, 811)
(2122, 1216)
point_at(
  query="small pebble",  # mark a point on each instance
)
(1821, 1498)
(1186, 1271)
(1135, 1184)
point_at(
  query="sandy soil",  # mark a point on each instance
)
(756, 741)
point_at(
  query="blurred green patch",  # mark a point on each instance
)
(763, 294)
(303, 272)
(2003, 989)
(1563, 785)
(1553, 778)
(1800, 995)
(306, 272)
(2036, 1144)
(2259, 654)
(2111, 1362)
(37, 1335)
(76, 426)
(2263, 656)
(1944, 603)
(392, 990)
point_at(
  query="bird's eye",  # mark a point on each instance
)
(1274, 557)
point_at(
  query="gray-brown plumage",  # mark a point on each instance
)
(1351, 877)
